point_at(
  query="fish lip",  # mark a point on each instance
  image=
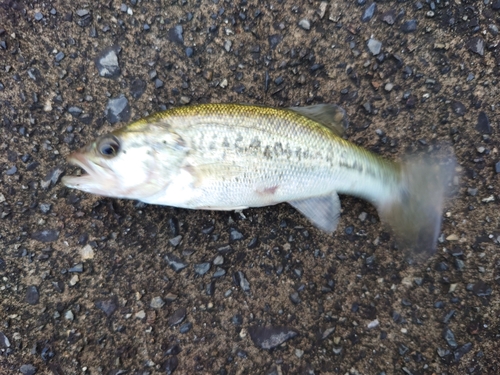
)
(91, 170)
(78, 159)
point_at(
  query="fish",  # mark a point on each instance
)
(238, 156)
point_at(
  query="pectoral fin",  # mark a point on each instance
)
(323, 212)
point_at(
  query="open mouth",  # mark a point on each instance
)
(88, 171)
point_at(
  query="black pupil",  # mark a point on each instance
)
(108, 150)
(109, 147)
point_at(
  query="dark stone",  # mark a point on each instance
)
(241, 281)
(235, 235)
(177, 317)
(175, 34)
(173, 350)
(403, 349)
(439, 305)
(369, 12)
(389, 17)
(461, 351)
(449, 337)
(186, 327)
(448, 316)
(295, 298)
(458, 108)
(52, 177)
(409, 26)
(239, 88)
(77, 268)
(108, 306)
(59, 56)
(237, 320)
(107, 62)
(219, 272)
(270, 337)
(137, 88)
(47, 353)
(497, 167)
(253, 243)
(476, 45)
(32, 295)
(481, 289)
(4, 341)
(210, 288)
(175, 241)
(158, 83)
(176, 263)
(11, 171)
(75, 111)
(171, 364)
(274, 40)
(483, 123)
(27, 369)
(117, 110)
(202, 268)
(47, 235)
(84, 17)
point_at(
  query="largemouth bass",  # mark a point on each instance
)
(232, 157)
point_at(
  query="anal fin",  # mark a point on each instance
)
(323, 212)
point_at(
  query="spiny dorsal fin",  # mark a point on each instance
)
(329, 115)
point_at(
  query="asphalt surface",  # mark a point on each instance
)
(92, 285)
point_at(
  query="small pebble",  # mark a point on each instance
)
(175, 34)
(270, 337)
(68, 315)
(27, 369)
(374, 46)
(305, 24)
(476, 45)
(87, 252)
(107, 63)
(202, 268)
(299, 353)
(74, 280)
(176, 263)
(157, 303)
(47, 235)
(409, 26)
(177, 317)
(4, 341)
(32, 295)
(369, 12)
(186, 327)
(117, 110)
(108, 306)
(483, 123)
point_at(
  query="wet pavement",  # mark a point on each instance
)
(92, 285)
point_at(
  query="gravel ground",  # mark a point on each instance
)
(102, 286)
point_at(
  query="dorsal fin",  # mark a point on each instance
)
(329, 115)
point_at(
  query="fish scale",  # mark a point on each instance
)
(295, 154)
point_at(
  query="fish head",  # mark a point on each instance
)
(125, 164)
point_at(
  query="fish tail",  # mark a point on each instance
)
(415, 211)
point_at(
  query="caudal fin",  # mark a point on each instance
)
(415, 213)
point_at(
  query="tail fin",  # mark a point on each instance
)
(415, 214)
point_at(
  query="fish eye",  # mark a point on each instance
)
(109, 146)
